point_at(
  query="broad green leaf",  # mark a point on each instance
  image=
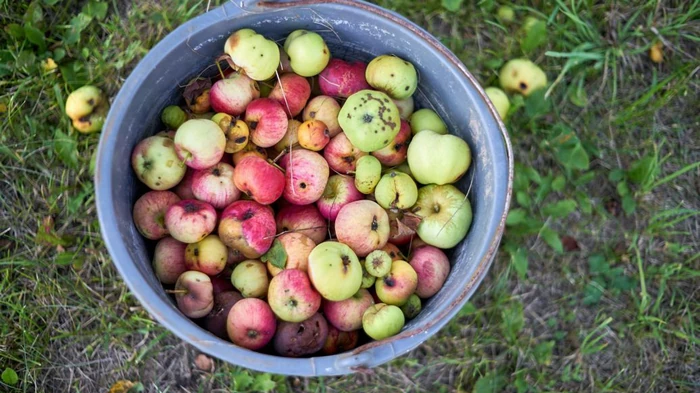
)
(75, 203)
(584, 203)
(598, 264)
(263, 383)
(512, 320)
(452, 5)
(66, 148)
(523, 199)
(74, 74)
(536, 104)
(34, 14)
(558, 183)
(276, 255)
(25, 60)
(585, 178)
(643, 170)
(490, 383)
(629, 204)
(616, 175)
(574, 157)
(77, 25)
(543, 190)
(578, 96)
(622, 188)
(242, 380)
(15, 31)
(516, 216)
(35, 36)
(543, 352)
(10, 377)
(552, 238)
(535, 36)
(533, 175)
(96, 9)
(520, 262)
(59, 54)
(560, 208)
(592, 294)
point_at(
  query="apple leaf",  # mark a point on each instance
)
(195, 88)
(35, 36)
(276, 255)
(95, 9)
(552, 238)
(406, 226)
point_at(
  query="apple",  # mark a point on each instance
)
(412, 307)
(291, 296)
(392, 75)
(215, 185)
(403, 167)
(215, 321)
(173, 116)
(505, 13)
(378, 263)
(308, 52)
(252, 53)
(169, 260)
(183, 189)
(248, 227)
(290, 139)
(427, 119)
(343, 79)
(267, 121)
(194, 294)
(294, 339)
(405, 107)
(363, 226)
(339, 341)
(397, 286)
(190, 221)
(259, 179)
(342, 155)
(200, 143)
(149, 213)
(250, 278)
(196, 95)
(367, 279)
(222, 283)
(340, 190)
(334, 270)
(251, 323)
(207, 256)
(393, 251)
(368, 171)
(346, 315)
(370, 120)
(438, 159)
(292, 92)
(156, 163)
(250, 149)
(325, 109)
(235, 131)
(313, 135)
(432, 267)
(305, 219)
(234, 256)
(297, 248)
(233, 94)
(522, 76)
(499, 99)
(382, 321)
(395, 153)
(87, 106)
(306, 175)
(446, 215)
(396, 190)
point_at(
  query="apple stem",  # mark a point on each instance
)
(276, 165)
(221, 72)
(177, 291)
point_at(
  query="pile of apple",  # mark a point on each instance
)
(287, 193)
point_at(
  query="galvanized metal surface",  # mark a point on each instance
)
(352, 29)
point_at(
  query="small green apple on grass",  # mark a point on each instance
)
(522, 76)
(335, 271)
(438, 159)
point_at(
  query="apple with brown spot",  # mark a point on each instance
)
(194, 294)
(297, 247)
(267, 121)
(306, 174)
(362, 225)
(432, 267)
(304, 219)
(251, 323)
(313, 135)
(339, 341)
(190, 221)
(342, 79)
(395, 152)
(259, 179)
(149, 213)
(341, 155)
(325, 109)
(292, 297)
(396, 287)
(215, 185)
(207, 256)
(248, 227)
(340, 190)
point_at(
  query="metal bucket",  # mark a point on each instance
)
(353, 30)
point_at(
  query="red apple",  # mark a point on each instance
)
(339, 341)
(340, 190)
(249, 150)
(149, 213)
(259, 179)
(292, 92)
(169, 260)
(297, 246)
(267, 121)
(346, 315)
(184, 188)
(194, 294)
(233, 94)
(343, 79)
(291, 138)
(341, 155)
(432, 267)
(190, 221)
(396, 287)
(291, 296)
(215, 321)
(313, 135)
(222, 283)
(362, 225)
(251, 323)
(326, 109)
(249, 227)
(395, 153)
(302, 219)
(215, 185)
(306, 175)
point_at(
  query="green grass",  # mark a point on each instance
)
(595, 287)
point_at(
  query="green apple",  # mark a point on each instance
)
(378, 263)
(250, 278)
(427, 119)
(334, 271)
(438, 159)
(499, 99)
(308, 52)
(367, 279)
(392, 75)
(382, 320)
(173, 116)
(83, 101)
(522, 76)
(446, 215)
(257, 56)
(370, 120)
(368, 171)
(396, 190)
(505, 13)
(412, 307)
